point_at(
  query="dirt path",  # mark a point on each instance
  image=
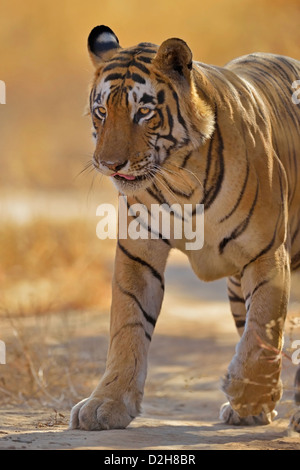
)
(190, 351)
(22, 431)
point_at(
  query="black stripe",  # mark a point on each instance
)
(297, 388)
(296, 260)
(131, 325)
(179, 115)
(281, 186)
(284, 76)
(240, 323)
(114, 76)
(126, 53)
(148, 317)
(207, 169)
(240, 229)
(146, 226)
(293, 193)
(92, 99)
(296, 233)
(234, 282)
(262, 283)
(211, 194)
(170, 119)
(138, 78)
(154, 272)
(147, 336)
(264, 250)
(123, 59)
(161, 97)
(157, 196)
(146, 51)
(221, 169)
(236, 315)
(113, 65)
(177, 192)
(145, 59)
(289, 65)
(162, 119)
(240, 195)
(234, 297)
(141, 67)
(280, 97)
(294, 268)
(186, 159)
(146, 98)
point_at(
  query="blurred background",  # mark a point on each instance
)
(50, 258)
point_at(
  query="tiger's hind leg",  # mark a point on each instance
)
(237, 302)
(295, 421)
(239, 307)
(295, 261)
(253, 384)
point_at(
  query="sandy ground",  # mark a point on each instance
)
(191, 349)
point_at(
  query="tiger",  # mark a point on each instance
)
(167, 130)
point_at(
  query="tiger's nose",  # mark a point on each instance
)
(114, 166)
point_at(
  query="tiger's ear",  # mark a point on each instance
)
(174, 57)
(102, 44)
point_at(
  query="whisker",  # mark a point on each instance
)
(88, 168)
(163, 170)
(188, 171)
(91, 186)
(166, 187)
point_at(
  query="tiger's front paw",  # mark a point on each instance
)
(99, 413)
(229, 416)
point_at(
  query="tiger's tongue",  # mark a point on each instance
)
(127, 177)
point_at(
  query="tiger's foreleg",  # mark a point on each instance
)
(253, 385)
(137, 294)
(295, 420)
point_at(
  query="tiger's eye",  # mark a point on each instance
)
(144, 110)
(102, 111)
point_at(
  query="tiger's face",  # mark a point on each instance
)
(143, 108)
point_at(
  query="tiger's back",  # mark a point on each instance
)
(275, 78)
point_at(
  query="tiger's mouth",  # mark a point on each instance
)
(130, 184)
(121, 177)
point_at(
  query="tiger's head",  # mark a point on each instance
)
(145, 108)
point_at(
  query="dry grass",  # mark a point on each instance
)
(53, 360)
(52, 266)
(55, 278)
